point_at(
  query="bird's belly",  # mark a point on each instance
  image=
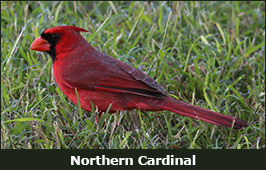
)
(118, 101)
(100, 100)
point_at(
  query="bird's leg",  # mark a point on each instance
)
(98, 117)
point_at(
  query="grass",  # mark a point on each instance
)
(211, 54)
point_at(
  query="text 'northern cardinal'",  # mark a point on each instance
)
(105, 80)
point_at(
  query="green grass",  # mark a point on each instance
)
(210, 54)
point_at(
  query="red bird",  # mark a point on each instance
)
(105, 80)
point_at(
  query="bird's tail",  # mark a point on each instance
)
(196, 112)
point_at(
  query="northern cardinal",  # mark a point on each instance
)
(105, 80)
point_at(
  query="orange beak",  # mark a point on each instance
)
(40, 44)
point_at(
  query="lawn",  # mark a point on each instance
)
(210, 54)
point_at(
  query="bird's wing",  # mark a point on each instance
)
(102, 72)
(140, 76)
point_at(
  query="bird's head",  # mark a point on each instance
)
(58, 40)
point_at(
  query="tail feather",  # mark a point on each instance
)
(203, 114)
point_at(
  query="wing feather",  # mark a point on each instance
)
(102, 72)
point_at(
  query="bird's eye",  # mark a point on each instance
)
(54, 36)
